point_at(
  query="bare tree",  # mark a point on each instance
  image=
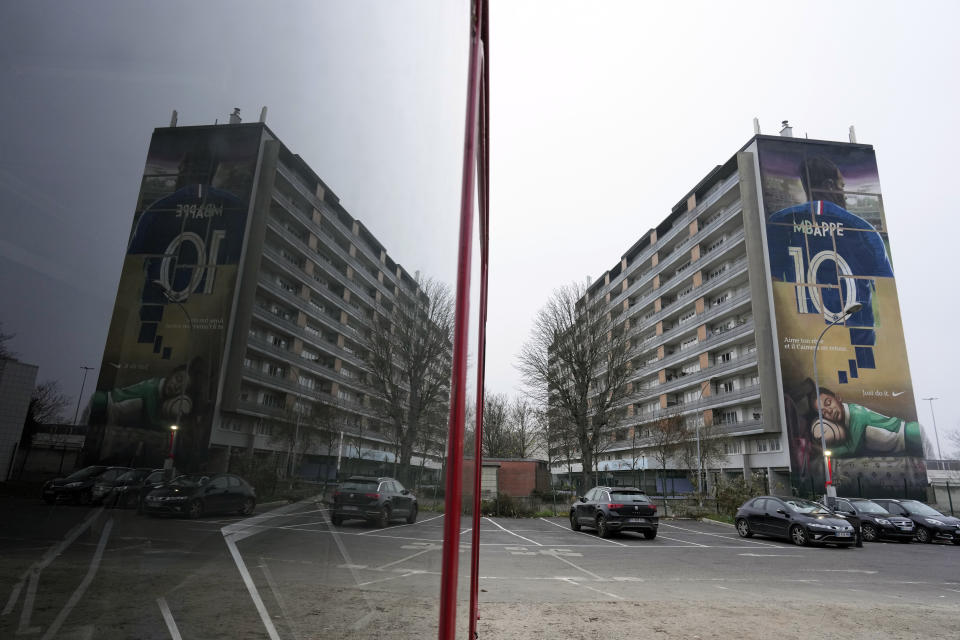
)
(524, 422)
(711, 450)
(408, 356)
(497, 436)
(47, 404)
(5, 353)
(667, 435)
(954, 438)
(576, 362)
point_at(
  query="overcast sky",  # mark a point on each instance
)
(604, 115)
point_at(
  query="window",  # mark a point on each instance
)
(732, 448)
(308, 382)
(725, 357)
(687, 315)
(761, 446)
(725, 387)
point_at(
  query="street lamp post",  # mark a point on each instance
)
(168, 463)
(935, 434)
(83, 383)
(828, 481)
(171, 296)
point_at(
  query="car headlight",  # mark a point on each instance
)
(72, 485)
(939, 523)
(882, 521)
(817, 525)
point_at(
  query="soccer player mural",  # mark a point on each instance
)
(828, 248)
(169, 328)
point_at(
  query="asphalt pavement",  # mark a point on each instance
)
(287, 572)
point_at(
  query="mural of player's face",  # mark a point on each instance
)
(831, 408)
(176, 383)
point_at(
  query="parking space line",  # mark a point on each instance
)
(276, 596)
(725, 537)
(512, 533)
(403, 575)
(696, 544)
(400, 526)
(578, 568)
(586, 586)
(402, 560)
(168, 619)
(619, 544)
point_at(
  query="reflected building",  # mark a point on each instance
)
(247, 303)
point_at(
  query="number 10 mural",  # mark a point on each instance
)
(169, 327)
(828, 248)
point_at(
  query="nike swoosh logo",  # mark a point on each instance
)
(897, 393)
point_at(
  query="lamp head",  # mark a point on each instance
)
(173, 427)
(828, 453)
(852, 309)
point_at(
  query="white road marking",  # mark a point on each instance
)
(82, 587)
(582, 533)
(34, 570)
(769, 555)
(843, 570)
(594, 589)
(725, 537)
(402, 560)
(400, 526)
(696, 544)
(405, 575)
(278, 597)
(533, 542)
(251, 587)
(168, 618)
(578, 568)
(954, 590)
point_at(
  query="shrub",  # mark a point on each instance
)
(733, 493)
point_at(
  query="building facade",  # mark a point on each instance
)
(16, 386)
(246, 307)
(723, 303)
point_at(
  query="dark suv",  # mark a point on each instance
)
(610, 509)
(377, 500)
(875, 522)
(930, 524)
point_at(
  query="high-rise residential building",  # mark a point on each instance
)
(16, 386)
(246, 308)
(724, 303)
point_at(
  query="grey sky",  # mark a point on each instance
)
(603, 116)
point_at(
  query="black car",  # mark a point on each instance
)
(193, 495)
(876, 523)
(377, 500)
(78, 486)
(930, 524)
(125, 490)
(800, 521)
(610, 509)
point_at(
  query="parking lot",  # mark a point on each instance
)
(289, 573)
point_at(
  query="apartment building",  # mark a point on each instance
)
(723, 302)
(249, 287)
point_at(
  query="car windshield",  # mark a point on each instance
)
(865, 506)
(85, 473)
(190, 481)
(130, 476)
(919, 509)
(629, 496)
(359, 485)
(805, 506)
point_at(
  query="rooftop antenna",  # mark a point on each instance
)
(173, 119)
(235, 116)
(263, 114)
(853, 134)
(756, 126)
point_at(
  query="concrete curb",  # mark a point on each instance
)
(711, 520)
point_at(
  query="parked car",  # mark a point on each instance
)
(801, 521)
(377, 500)
(876, 523)
(611, 509)
(124, 491)
(930, 524)
(193, 495)
(78, 486)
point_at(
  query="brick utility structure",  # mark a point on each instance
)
(514, 477)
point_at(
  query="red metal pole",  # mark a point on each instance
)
(483, 157)
(454, 483)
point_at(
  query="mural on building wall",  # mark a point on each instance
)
(828, 248)
(169, 327)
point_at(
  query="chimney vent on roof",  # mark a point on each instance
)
(173, 119)
(756, 126)
(235, 116)
(853, 134)
(263, 114)
(787, 131)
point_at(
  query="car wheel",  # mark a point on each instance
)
(383, 519)
(649, 535)
(744, 529)
(602, 529)
(923, 535)
(336, 520)
(85, 497)
(413, 515)
(247, 507)
(195, 509)
(799, 536)
(573, 521)
(869, 532)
